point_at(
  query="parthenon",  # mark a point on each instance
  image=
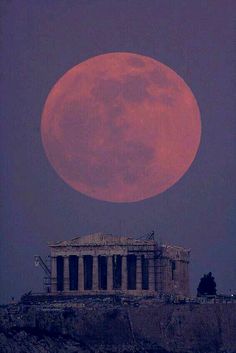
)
(106, 264)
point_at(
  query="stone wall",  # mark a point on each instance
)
(173, 270)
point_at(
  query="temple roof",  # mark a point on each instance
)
(100, 239)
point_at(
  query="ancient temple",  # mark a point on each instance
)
(99, 264)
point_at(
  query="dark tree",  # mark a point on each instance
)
(207, 285)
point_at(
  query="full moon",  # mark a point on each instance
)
(121, 127)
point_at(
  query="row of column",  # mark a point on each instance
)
(95, 277)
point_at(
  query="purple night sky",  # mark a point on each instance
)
(40, 41)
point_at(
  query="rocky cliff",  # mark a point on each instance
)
(104, 327)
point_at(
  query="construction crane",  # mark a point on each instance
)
(148, 236)
(38, 261)
(151, 235)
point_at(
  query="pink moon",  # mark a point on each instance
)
(121, 127)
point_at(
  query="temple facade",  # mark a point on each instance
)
(98, 264)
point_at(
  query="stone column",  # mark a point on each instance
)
(109, 273)
(66, 274)
(81, 273)
(177, 271)
(124, 273)
(95, 273)
(186, 277)
(151, 273)
(53, 274)
(166, 283)
(139, 272)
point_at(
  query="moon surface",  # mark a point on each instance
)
(121, 127)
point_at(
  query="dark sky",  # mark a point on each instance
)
(40, 41)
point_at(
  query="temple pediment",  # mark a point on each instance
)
(97, 239)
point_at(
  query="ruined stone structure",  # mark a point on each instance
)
(106, 264)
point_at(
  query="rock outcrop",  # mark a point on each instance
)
(87, 327)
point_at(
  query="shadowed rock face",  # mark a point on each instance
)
(156, 328)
